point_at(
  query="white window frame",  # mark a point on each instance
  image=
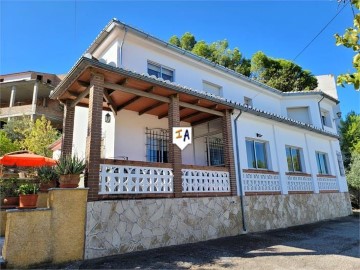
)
(266, 151)
(325, 118)
(301, 158)
(162, 67)
(248, 101)
(326, 160)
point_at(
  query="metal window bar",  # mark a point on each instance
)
(157, 145)
(215, 151)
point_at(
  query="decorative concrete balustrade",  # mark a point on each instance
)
(258, 181)
(327, 183)
(201, 180)
(299, 183)
(128, 179)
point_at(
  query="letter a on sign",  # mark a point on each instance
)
(182, 136)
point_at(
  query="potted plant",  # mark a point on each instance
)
(28, 195)
(69, 169)
(9, 192)
(48, 178)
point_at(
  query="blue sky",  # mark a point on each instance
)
(49, 36)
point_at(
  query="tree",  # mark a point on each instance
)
(41, 135)
(350, 136)
(281, 74)
(17, 128)
(353, 178)
(217, 52)
(350, 39)
(187, 41)
(6, 145)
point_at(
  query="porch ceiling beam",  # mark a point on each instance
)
(190, 115)
(200, 109)
(80, 97)
(202, 121)
(133, 91)
(197, 101)
(149, 108)
(83, 83)
(110, 101)
(122, 106)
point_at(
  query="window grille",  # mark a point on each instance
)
(157, 145)
(215, 151)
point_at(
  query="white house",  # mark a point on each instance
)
(259, 159)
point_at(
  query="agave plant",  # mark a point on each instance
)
(47, 174)
(68, 164)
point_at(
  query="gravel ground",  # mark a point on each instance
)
(332, 244)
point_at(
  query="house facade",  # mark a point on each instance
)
(260, 159)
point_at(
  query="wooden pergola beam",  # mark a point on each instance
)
(149, 108)
(197, 101)
(110, 101)
(127, 103)
(190, 115)
(80, 97)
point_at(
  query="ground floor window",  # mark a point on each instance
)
(256, 154)
(293, 156)
(157, 145)
(215, 151)
(322, 163)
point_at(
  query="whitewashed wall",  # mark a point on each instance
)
(188, 72)
(80, 132)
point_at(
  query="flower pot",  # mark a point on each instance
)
(28, 201)
(69, 180)
(45, 186)
(9, 201)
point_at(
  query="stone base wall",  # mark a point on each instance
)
(115, 227)
(281, 211)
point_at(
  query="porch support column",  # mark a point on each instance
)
(229, 150)
(93, 140)
(174, 150)
(68, 129)
(34, 99)
(12, 97)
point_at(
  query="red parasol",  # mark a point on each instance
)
(26, 159)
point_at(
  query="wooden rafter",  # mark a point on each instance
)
(149, 108)
(110, 101)
(80, 97)
(197, 101)
(127, 103)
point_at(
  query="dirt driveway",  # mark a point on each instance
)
(333, 244)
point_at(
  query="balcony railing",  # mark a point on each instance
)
(130, 179)
(327, 183)
(299, 182)
(205, 179)
(258, 181)
(134, 177)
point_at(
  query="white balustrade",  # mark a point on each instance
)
(327, 183)
(205, 181)
(300, 183)
(260, 182)
(123, 179)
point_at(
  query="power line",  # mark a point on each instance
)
(322, 30)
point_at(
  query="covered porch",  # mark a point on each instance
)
(145, 163)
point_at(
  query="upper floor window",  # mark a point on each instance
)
(293, 156)
(322, 163)
(256, 154)
(299, 113)
(248, 101)
(160, 71)
(212, 88)
(325, 118)
(215, 151)
(340, 163)
(157, 145)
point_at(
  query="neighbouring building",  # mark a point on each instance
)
(260, 159)
(27, 93)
